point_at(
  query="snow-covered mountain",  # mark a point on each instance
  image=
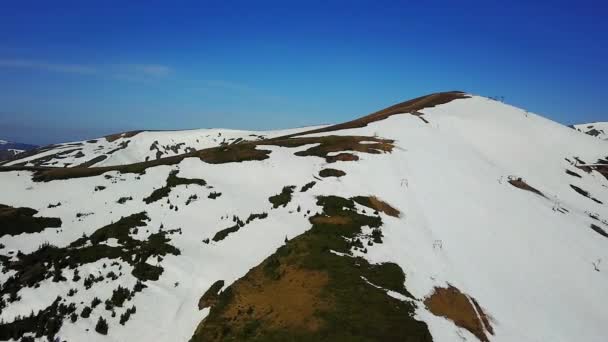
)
(450, 217)
(138, 146)
(596, 129)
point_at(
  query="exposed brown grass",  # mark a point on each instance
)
(410, 106)
(339, 220)
(306, 292)
(341, 157)
(521, 184)
(331, 173)
(383, 207)
(464, 311)
(114, 137)
(289, 302)
(377, 204)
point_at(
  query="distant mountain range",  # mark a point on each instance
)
(9, 149)
(596, 129)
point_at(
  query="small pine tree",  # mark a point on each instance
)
(102, 326)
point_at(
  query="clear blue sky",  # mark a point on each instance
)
(78, 70)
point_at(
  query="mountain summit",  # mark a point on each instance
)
(450, 217)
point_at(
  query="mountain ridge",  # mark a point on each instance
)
(469, 220)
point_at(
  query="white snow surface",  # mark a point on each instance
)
(597, 129)
(530, 267)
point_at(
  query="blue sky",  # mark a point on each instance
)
(80, 69)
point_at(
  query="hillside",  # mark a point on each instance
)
(9, 149)
(137, 146)
(596, 129)
(450, 217)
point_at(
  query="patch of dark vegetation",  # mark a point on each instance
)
(256, 217)
(585, 193)
(599, 230)
(80, 215)
(124, 200)
(93, 161)
(232, 154)
(305, 291)
(331, 173)
(210, 297)
(572, 173)
(172, 181)
(191, 199)
(49, 261)
(214, 195)
(419, 116)
(410, 106)
(121, 146)
(335, 143)
(238, 224)
(519, 183)
(308, 186)
(283, 198)
(222, 234)
(602, 169)
(100, 188)
(127, 314)
(54, 205)
(461, 309)
(45, 323)
(377, 204)
(119, 296)
(15, 221)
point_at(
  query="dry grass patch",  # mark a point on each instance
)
(410, 106)
(461, 309)
(377, 204)
(331, 173)
(521, 184)
(114, 137)
(334, 220)
(341, 157)
(289, 302)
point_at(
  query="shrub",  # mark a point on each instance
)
(86, 312)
